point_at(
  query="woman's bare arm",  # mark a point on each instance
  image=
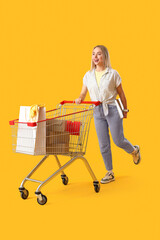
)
(82, 94)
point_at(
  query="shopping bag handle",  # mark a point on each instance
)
(96, 103)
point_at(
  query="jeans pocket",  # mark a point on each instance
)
(112, 106)
(112, 109)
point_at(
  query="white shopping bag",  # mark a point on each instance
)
(31, 139)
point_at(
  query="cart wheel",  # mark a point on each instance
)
(64, 179)
(96, 186)
(42, 199)
(24, 194)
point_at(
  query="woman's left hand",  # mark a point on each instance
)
(124, 114)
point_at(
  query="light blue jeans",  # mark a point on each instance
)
(115, 124)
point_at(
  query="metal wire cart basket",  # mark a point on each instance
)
(63, 131)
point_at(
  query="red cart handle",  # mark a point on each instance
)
(96, 103)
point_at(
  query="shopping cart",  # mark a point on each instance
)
(64, 132)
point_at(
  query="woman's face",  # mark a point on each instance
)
(98, 57)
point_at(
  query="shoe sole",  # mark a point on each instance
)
(108, 181)
(139, 156)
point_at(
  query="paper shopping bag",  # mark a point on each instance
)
(31, 139)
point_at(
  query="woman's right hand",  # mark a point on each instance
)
(82, 95)
(78, 100)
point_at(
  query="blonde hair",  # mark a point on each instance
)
(105, 55)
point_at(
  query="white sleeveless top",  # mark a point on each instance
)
(106, 92)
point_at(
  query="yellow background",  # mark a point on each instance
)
(45, 50)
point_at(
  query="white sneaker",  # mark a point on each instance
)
(136, 155)
(109, 177)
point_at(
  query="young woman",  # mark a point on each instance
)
(103, 84)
